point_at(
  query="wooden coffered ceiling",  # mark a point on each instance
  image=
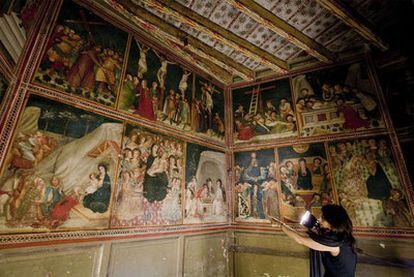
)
(244, 39)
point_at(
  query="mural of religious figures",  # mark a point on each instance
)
(336, 100)
(26, 10)
(305, 179)
(150, 180)
(368, 184)
(264, 111)
(59, 171)
(83, 56)
(158, 89)
(256, 188)
(205, 192)
(18, 18)
(4, 84)
(208, 109)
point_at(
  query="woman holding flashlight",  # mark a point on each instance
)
(330, 240)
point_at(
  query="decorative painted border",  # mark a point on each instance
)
(24, 240)
(22, 88)
(376, 232)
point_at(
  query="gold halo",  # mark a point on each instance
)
(300, 148)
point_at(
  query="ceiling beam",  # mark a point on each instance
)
(156, 37)
(353, 19)
(190, 18)
(283, 29)
(193, 45)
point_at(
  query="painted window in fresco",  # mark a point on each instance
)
(3, 87)
(264, 111)
(83, 56)
(59, 171)
(368, 184)
(305, 179)
(205, 192)
(336, 100)
(160, 90)
(256, 189)
(150, 180)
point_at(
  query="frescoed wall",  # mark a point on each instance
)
(60, 169)
(359, 174)
(368, 183)
(150, 180)
(83, 56)
(25, 9)
(205, 191)
(160, 90)
(305, 179)
(17, 18)
(336, 100)
(115, 140)
(256, 189)
(264, 111)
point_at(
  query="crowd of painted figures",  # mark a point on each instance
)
(271, 121)
(173, 107)
(298, 184)
(205, 200)
(256, 187)
(150, 181)
(368, 183)
(344, 99)
(30, 149)
(301, 180)
(79, 66)
(32, 193)
(364, 173)
(29, 200)
(76, 63)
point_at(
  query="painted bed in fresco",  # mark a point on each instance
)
(256, 190)
(264, 111)
(150, 180)
(205, 192)
(59, 171)
(368, 183)
(336, 100)
(83, 56)
(160, 90)
(305, 180)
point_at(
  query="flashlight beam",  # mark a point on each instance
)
(305, 217)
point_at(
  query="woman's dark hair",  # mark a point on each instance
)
(341, 224)
(302, 160)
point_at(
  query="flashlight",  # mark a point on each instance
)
(309, 221)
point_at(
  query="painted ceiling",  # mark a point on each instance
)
(242, 40)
